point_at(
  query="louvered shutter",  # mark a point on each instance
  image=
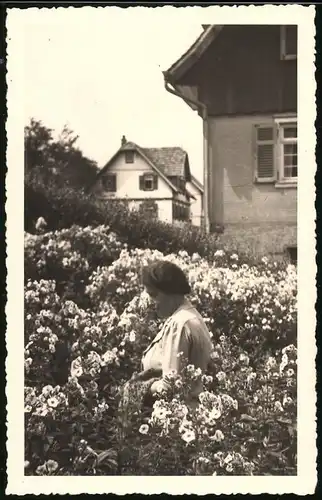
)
(265, 169)
(141, 182)
(155, 182)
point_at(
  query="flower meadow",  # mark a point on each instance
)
(87, 322)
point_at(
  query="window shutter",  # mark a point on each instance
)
(155, 182)
(141, 182)
(265, 170)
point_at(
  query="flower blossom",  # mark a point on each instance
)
(188, 436)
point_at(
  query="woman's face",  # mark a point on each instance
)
(159, 298)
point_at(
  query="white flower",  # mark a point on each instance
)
(287, 401)
(28, 409)
(215, 413)
(218, 436)
(290, 372)
(40, 224)
(271, 362)
(132, 336)
(108, 357)
(229, 468)
(228, 459)
(251, 377)
(278, 406)
(51, 466)
(47, 389)
(53, 402)
(244, 359)
(188, 436)
(144, 429)
(76, 369)
(178, 383)
(221, 376)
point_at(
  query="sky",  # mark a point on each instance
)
(99, 71)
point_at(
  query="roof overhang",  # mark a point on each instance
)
(176, 72)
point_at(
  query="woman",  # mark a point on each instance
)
(184, 336)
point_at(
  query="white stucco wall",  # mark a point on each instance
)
(127, 180)
(196, 204)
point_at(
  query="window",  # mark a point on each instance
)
(149, 209)
(276, 152)
(148, 182)
(289, 42)
(129, 156)
(180, 212)
(292, 254)
(288, 151)
(109, 183)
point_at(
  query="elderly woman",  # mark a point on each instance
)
(184, 336)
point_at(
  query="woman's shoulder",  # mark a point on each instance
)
(187, 315)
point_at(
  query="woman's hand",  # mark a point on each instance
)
(146, 375)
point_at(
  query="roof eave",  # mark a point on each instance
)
(197, 185)
(192, 55)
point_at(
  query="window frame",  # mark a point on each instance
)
(283, 55)
(109, 176)
(148, 177)
(127, 153)
(277, 124)
(281, 124)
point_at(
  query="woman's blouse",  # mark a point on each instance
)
(184, 332)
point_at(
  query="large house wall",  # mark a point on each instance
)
(236, 200)
(242, 73)
(128, 183)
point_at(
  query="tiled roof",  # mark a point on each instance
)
(171, 161)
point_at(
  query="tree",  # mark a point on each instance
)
(59, 161)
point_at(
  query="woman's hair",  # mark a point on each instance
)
(166, 277)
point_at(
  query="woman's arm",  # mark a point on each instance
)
(175, 348)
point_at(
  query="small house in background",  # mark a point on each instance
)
(151, 180)
(242, 81)
(195, 188)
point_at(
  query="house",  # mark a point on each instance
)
(242, 81)
(151, 180)
(195, 188)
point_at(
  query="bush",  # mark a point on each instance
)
(65, 207)
(77, 358)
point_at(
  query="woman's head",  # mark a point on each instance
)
(166, 284)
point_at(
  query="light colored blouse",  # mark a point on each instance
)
(184, 332)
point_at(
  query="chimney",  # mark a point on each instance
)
(123, 141)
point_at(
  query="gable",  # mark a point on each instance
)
(241, 72)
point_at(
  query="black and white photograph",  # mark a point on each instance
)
(161, 250)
